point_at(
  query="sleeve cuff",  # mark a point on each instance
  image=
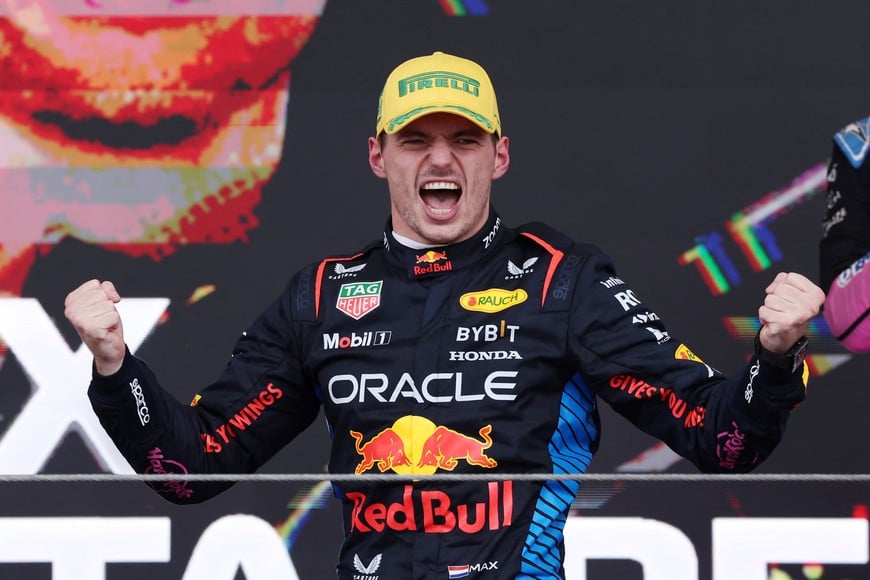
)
(106, 387)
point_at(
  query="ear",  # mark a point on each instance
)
(376, 158)
(502, 157)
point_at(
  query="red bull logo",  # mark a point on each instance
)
(431, 257)
(415, 445)
(445, 447)
(440, 514)
(386, 449)
(432, 262)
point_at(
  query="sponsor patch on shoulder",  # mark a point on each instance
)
(854, 141)
(684, 353)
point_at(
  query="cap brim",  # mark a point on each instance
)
(397, 123)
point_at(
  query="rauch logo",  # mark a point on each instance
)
(492, 300)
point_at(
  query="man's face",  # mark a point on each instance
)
(144, 124)
(439, 170)
(142, 61)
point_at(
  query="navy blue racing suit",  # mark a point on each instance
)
(487, 356)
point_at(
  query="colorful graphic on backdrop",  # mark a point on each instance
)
(137, 125)
(744, 329)
(464, 7)
(749, 229)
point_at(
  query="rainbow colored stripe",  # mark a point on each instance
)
(713, 263)
(464, 7)
(749, 229)
(744, 329)
(303, 505)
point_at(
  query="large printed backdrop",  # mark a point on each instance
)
(201, 153)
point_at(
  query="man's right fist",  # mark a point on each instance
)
(91, 310)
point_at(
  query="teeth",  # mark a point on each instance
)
(441, 185)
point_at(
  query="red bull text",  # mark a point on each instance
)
(432, 263)
(433, 512)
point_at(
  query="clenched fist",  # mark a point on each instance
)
(792, 301)
(91, 310)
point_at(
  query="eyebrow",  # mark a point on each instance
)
(466, 132)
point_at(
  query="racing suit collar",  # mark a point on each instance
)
(440, 260)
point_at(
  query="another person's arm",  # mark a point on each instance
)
(844, 249)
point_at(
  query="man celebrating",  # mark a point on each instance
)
(453, 344)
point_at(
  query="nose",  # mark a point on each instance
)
(441, 154)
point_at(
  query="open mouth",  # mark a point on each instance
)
(141, 83)
(441, 197)
(125, 135)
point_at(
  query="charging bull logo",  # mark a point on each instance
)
(386, 449)
(432, 262)
(445, 447)
(431, 257)
(415, 445)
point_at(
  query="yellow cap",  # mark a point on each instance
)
(438, 83)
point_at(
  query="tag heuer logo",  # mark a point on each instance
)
(359, 298)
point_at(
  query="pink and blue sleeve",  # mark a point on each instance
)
(847, 306)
